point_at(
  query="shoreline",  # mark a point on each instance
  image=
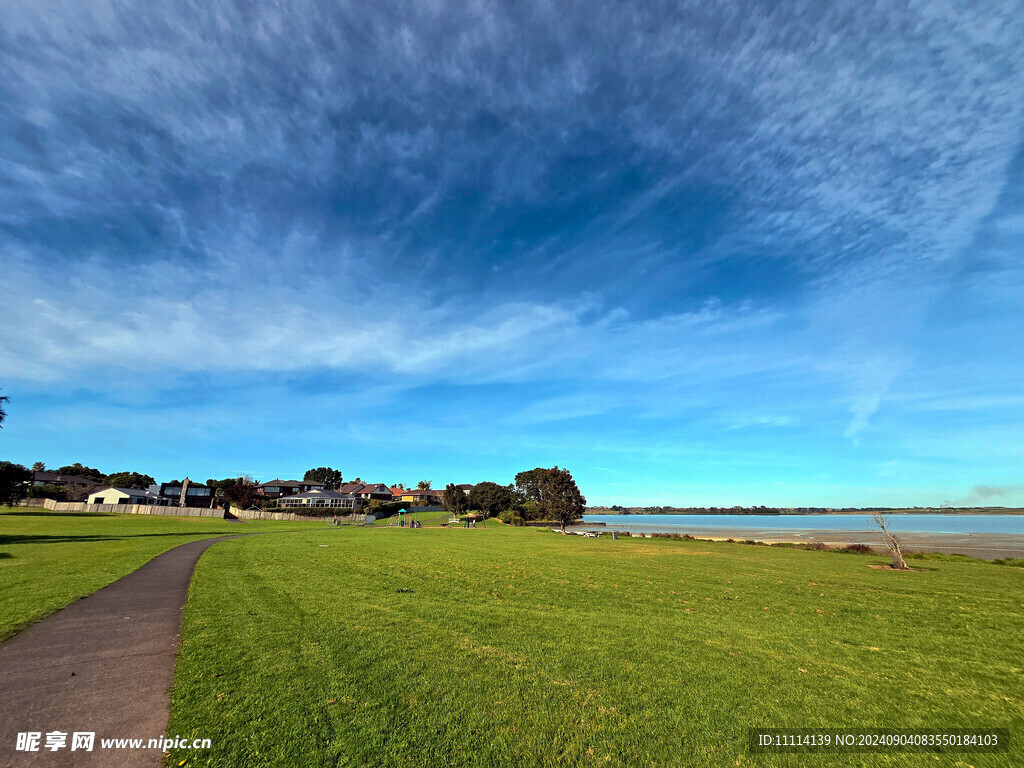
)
(984, 546)
(921, 511)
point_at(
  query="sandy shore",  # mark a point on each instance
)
(987, 546)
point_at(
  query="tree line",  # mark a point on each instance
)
(15, 480)
(537, 494)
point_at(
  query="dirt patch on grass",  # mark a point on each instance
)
(890, 568)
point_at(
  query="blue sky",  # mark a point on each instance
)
(698, 253)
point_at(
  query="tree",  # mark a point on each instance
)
(77, 470)
(491, 498)
(76, 491)
(327, 477)
(129, 480)
(423, 485)
(51, 491)
(3, 413)
(39, 467)
(455, 500)
(528, 483)
(14, 480)
(560, 497)
(219, 485)
(894, 545)
(243, 494)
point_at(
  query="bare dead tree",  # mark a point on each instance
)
(893, 544)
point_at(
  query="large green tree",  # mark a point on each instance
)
(78, 470)
(455, 500)
(423, 485)
(560, 498)
(220, 485)
(14, 480)
(327, 477)
(129, 480)
(491, 498)
(528, 483)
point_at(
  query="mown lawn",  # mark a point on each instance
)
(393, 647)
(428, 519)
(48, 559)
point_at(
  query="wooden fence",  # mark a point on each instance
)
(131, 509)
(248, 514)
(152, 509)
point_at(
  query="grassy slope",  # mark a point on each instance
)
(49, 559)
(511, 646)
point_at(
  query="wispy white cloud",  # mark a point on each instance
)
(517, 194)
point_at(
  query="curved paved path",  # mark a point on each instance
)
(104, 664)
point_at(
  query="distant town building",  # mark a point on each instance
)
(368, 491)
(55, 478)
(276, 488)
(123, 496)
(429, 495)
(195, 494)
(320, 498)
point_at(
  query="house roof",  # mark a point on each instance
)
(364, 488)
(127, 492)
(56, 477)
(279, 481)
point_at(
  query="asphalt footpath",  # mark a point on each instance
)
(103, 666)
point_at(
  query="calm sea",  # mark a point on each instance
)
(908, 523)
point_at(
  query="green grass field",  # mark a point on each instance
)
(49, 559)
(393, 647)
(428, 519)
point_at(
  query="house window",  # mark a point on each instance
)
(98, 500)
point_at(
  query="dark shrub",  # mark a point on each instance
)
(511, 517)
(858, 549)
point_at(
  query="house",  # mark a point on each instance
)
(466, 488)
(276, 488)
(320, 498)
(368, 491)
(186, 494)
(77, 486)
(122, 496)
(416, 494)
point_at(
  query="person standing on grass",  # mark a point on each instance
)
(335, 521)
